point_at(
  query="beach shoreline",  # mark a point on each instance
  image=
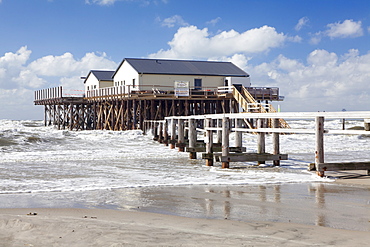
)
(245, 215)
(101, 227)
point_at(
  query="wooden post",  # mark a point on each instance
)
(343, 124)
(160, 132)
(173, 133)
(261, 143)
(238, 134)
(367, 124)
(219, 132)
(192, 138)
(319, 153)
(276, 141)
(225, 140)
(181, 138)
(165, 132)
(209, 143)
(155, 134)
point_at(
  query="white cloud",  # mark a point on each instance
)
(191, 42)
(101, 2)
(18, 80)
(214, 21)
(326, 81)
(111, 2)
(346, 29)
(175, 20)
(301, 23)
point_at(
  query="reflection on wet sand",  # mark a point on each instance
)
(316, 204)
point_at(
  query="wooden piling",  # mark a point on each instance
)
(181, 135)
(192, 138)
(319, 152)
(261, 143)
(238, 134)
(165, 132)
(209, 143)
(219, 132)
(160, 132)
(173, 133)
(276, 141)
(225, 140)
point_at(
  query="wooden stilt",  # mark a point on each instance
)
(319, 153)
(165, 132)
(192, 138)
(173, 133)
(209, 143)
(225, 140)
(238, 134)
(160, 132)
(276, 141)
(261, 143)
(181, 136)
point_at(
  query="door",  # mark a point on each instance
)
(197, 84)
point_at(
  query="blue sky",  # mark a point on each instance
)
(316, 51)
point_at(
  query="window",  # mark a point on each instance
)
(197, 84)
(133, 82)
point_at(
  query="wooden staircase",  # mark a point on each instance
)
(249, 104)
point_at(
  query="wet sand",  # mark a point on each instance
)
(319, 214)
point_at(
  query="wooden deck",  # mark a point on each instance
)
(223, 124)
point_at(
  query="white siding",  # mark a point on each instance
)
(168, 81)
(91, 82)
(125, 75)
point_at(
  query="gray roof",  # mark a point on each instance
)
(102, 75)
(184, 67)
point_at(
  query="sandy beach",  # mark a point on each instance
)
(214, 222)
(81, 227)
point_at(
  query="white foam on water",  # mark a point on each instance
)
(39, 159)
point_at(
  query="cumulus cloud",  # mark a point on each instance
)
(19, 77)
(111, 2)
(192, 42)
(301, 23)
(172, 21)
(345, 29)
(325, 81)
(101, 2)
(214, 21)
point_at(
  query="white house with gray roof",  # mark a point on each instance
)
(97, 79)
(161, 74)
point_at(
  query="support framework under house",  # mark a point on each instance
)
(111, 110)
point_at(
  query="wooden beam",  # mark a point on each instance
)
(252, 157)
(340, 166)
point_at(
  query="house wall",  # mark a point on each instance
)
(91, 82)
(125, 76)
(167, 82)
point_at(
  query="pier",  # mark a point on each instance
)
(123, 108)
(183, 132)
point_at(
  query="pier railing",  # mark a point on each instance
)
(49, 93)
(172, 130)
(143, 90)
(57, 93)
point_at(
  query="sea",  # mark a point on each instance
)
(41, 166)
